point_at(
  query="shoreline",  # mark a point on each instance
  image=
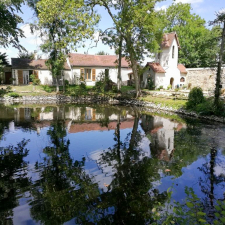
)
(97, 99)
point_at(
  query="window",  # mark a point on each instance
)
(173, 52)
(87, 74)
(182, 79)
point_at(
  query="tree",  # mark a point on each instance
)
(26, 55)
(220, 19)
(3, 58)
(102, 53)
(9, 31)
(137, 26)
(199, 45)
(64, 24)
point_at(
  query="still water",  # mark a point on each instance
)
(72, 164)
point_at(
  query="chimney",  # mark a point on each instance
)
(35, 54)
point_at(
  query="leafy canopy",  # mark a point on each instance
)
(199, 45)
(9, 31)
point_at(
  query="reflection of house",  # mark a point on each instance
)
(82, 127)
(165, 70)
(162, 132)
(88, 68)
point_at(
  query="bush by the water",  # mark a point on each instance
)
(14, 95)
(198, 103)
(195, 97)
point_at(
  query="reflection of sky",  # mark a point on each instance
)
(90, 145)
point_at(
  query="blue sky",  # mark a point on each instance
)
(205, 8)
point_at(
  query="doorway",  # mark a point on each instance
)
(26, 77)
(172, 82)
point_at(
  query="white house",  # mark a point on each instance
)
(165, 70)
(88, 68)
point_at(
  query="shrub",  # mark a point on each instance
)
(150, 83)
(8, 88)
(169, 87)
(66, 82)
(35, 80)
(47, 88)
(14, 95)
(195, 97)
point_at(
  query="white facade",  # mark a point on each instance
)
(113, 73)
(164, 71)
(71, 74)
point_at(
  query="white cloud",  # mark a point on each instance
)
(163, 7)
(31, 38)
(190, 1)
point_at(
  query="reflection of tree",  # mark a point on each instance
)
(64, 190)
(13, 179)
(210, 179)
(129, 192)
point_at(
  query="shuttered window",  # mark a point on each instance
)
(82, 73)
(88, 74)
(93, 74)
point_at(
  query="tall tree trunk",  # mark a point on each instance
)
(218, 74)
(57, 83)
(119, 79)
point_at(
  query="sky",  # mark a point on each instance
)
(204, 8)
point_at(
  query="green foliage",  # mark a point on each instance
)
(150, 84)
(3, 59)
(134, 23)
(35, 80)
(26, 55)
(103, 84)
(195, 97)
(66, 82)
(199, 45)
(169, 87)
(10, 20)
(65, 24)
(13, 94)
(48, 88)
(102, 53)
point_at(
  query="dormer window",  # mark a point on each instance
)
(173, 52)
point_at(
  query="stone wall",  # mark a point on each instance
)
(204, 78)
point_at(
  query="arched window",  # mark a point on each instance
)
(182, 79)
(173, 52)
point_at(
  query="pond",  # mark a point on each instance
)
(69, 164)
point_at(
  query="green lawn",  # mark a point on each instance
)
(174, 103)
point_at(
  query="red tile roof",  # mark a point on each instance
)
(76, 127)
(95, 60)
(156, 67)
(182, 68)
(168, 40)
(39, 64)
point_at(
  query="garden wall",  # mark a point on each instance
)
(204, 78)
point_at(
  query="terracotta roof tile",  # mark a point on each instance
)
(76, 127)
(95, 60)
(182, 68)
(156, 67)
(39, 64)
(168, 40)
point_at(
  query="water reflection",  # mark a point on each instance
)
(104, 164)
(13, 179)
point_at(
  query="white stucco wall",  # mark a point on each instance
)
(99, 70)
(45, 77)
